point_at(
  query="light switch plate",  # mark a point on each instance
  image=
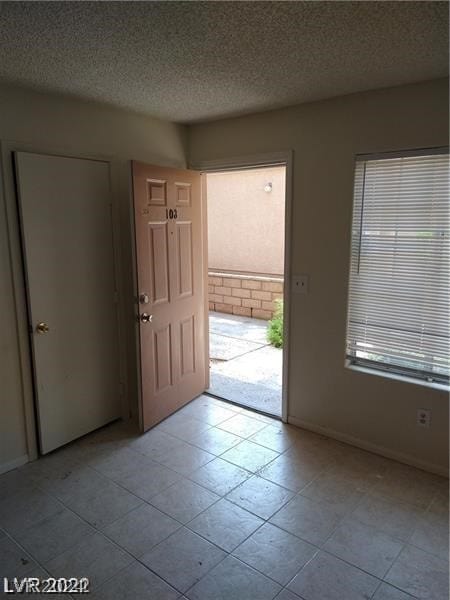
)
(300, 284)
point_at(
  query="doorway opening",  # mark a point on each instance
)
(246, 273)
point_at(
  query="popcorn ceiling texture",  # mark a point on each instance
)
(197, 61)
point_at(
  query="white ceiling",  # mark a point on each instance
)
(196, 61)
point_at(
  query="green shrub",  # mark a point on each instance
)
(275, 326)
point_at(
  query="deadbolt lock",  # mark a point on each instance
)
(144, 299)
(42, 328)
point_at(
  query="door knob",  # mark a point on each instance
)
(42, 328)
(145, 318)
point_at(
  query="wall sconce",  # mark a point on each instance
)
(268, 187)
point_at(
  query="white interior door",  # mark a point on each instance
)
(65, 208)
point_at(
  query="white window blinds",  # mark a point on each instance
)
(398, 310)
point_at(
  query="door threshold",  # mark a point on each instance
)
(250, 408)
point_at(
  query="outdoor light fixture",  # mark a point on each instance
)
(268, 187)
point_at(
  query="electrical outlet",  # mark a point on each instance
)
(423, 417)
(300, 284)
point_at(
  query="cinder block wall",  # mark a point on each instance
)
(247, 295)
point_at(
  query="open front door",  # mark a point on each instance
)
(169, 221)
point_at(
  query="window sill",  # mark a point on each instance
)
(429, 384)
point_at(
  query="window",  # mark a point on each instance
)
(398, 309)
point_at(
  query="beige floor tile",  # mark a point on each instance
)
(275, 438)
(391, 516)
(341, 493)
(432, 535)
(242, 425)
(250, 456)
(183, 559)
(14, 561)
(210, 413)
(184, 500)
(203, 401)
(311, 520)
(286, 595)
(118, 464)
(259, 496)
(309, 442)
(107, 477)
(14, 482)
(155, 444)
(103, 507)
(328, 578)
(275, 553)
(216, 415)
(220, 476)
(420, 574)
(225, 524)
(387, 592)
(291, 474)
(54, 535)
(364, 469)
(216, 441)
(135, 582)
(408, 484)
(20, 511)
(225, 404)
(259, 416)
(183, 427)
(141, 529)
(233, 580)
(149, 481)
(74, 483)
(364, 546)
(185, 459)
(440, 505)
(53, 464)
(95, 557)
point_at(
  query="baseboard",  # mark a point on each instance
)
(359, 443)
(13, 464)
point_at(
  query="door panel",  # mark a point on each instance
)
(65, 206)
(158, 252)
(184, 264)
(169, 221)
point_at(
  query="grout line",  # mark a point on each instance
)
(77, 464)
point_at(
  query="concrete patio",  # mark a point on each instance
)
(244, 367)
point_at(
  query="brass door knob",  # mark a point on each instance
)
(42, 328)
(145, 318)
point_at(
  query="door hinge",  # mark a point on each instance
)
(121, 389)
(116, 297)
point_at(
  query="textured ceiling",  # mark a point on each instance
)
(194, 61)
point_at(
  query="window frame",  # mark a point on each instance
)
(379, 368)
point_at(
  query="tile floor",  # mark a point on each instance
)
(218, 503)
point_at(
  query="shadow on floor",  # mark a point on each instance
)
(244, 367)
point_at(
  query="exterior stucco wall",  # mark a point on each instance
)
(245, 222)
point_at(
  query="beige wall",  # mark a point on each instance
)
(246, 223)
(52, 123)
(325, 136)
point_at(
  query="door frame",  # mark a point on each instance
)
(286, 159)
(19, 278)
